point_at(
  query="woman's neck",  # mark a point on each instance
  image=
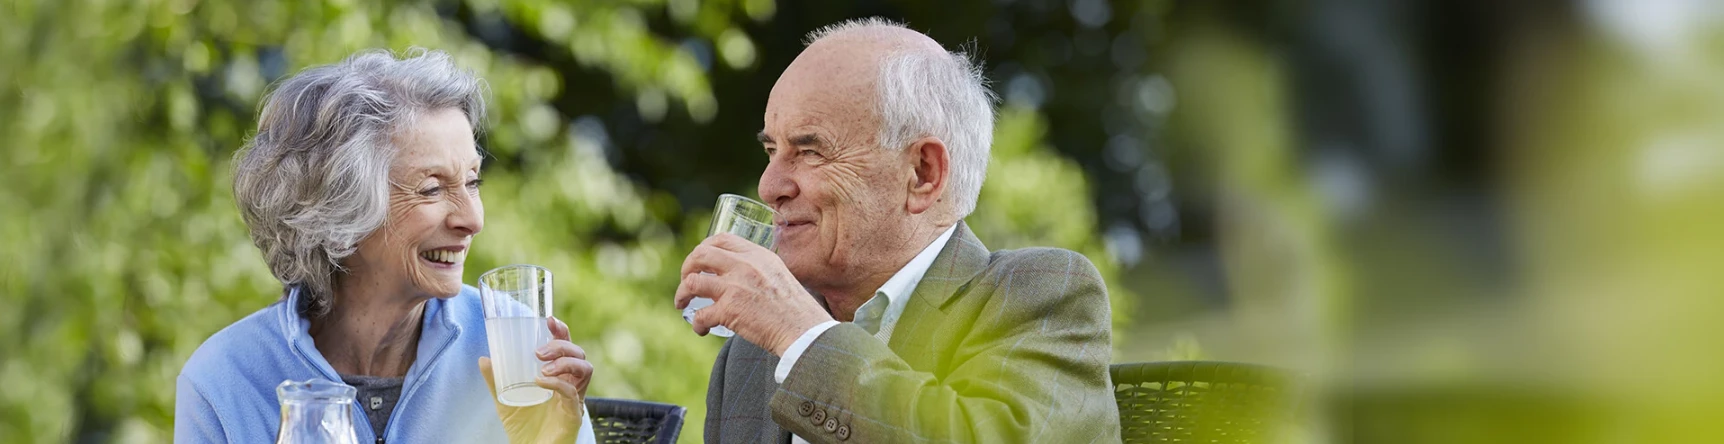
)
(370, 331)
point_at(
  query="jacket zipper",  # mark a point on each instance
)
(408, 391)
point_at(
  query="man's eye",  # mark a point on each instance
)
(809, 153)
(771, 152)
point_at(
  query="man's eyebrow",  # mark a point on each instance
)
(762, 137)
(805, 140)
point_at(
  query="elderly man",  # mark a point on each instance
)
(882, 318)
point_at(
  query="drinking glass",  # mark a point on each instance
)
(746, 218)
(516, 300)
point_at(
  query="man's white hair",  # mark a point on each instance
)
(944, 95)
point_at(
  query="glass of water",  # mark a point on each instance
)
(746, 218)
(516, 300)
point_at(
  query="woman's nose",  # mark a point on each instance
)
(469, 215)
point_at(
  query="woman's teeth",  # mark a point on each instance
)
(444, 256)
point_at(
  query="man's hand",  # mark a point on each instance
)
(565, 373)
(753, 293)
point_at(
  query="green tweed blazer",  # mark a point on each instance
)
(1009, 346)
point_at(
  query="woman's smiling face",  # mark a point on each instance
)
(434, 210)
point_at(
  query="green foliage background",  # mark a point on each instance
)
(123, 250)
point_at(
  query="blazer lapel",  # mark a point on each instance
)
(960, 261)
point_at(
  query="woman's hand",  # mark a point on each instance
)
(565, 374)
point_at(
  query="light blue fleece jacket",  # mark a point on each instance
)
(226, 391)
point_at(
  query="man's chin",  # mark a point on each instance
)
(802, 272)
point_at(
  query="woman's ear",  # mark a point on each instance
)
(930, 167)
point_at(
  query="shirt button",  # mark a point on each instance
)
(831, 425)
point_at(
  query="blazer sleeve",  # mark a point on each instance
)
(1032, 368)
(715, 393)
(195, 421)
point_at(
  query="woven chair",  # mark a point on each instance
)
(1201, 402)
(622, 421)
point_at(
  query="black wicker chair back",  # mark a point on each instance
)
(1201, 402)
(623, 421)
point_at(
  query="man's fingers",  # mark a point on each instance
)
(560, 348)
(711, 316)
(559, 330)
(698, 284)
(710, 258)
(729, 242)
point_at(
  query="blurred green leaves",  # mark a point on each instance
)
(124, 251)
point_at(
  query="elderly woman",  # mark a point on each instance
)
(361, 187)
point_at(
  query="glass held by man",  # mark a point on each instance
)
(745, 218)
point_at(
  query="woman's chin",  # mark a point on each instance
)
(442, 288)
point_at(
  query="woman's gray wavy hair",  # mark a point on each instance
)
(314, 180)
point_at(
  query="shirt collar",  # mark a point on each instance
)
(897, 289)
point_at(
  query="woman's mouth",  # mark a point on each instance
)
(444, 257)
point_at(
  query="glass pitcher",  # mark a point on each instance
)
(316, 412)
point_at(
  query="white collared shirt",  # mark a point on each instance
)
(894, 295)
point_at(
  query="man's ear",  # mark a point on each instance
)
(931, 168)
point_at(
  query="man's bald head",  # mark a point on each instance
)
(911, 87)
(875, 34)
(876, 140)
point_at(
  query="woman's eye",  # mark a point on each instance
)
(474, 184)
(431, 191)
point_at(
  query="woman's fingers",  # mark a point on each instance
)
(571, 370)
(560, 386)
(560, 348)
(559, 330)
(568, 376)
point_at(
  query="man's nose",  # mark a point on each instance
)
(776, 184)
